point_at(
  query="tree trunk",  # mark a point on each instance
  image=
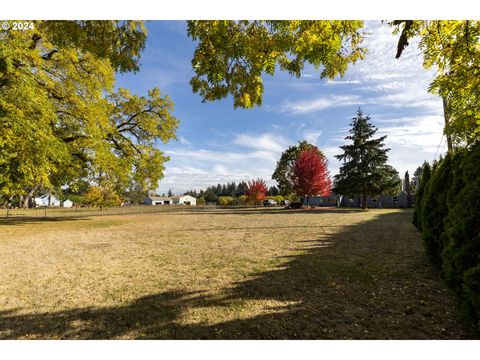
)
(20, 200)
(26, 199)
(364, 205)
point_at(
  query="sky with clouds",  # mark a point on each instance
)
(218, 144)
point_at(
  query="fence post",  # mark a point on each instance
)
(45, 212)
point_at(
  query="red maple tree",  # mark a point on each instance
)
(256, 191)
(310, 174)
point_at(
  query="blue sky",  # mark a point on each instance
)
(218, 144)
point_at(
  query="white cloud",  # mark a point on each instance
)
(225, 157)
(312, 136)
(413, 98)
(268, 142)
(221, 170)
(343, 82)
(184, 141)
(420, 133)
(317, 104)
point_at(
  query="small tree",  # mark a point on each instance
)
(311, 175)
(210, 196)
(256, 191)
(365, 170)
(97, 196)
(273, 191)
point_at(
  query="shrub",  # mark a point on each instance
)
(434, 210)
(461, 255)
(225, 200)
(240, 200)
(279, 199)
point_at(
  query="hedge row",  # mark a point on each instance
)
(448, 215)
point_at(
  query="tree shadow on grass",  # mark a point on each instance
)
(153, 314)
(21, 220)
(369, 281)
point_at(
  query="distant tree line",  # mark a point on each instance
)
(230, 193)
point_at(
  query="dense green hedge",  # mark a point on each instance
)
(434, 209)
(448, 215)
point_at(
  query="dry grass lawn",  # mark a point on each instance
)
(222, 274)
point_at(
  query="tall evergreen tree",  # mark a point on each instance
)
(231, 189)
(424, 176)
(273, 191)
(241, 188)
(365, 170)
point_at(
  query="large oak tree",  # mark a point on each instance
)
(61, 118)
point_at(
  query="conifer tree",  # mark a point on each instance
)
(365, 170)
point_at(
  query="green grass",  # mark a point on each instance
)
(222, 274)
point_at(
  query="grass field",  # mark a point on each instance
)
(222, 274)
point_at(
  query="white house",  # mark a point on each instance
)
(184, 200)
(46, 200)
(171, 200)
(158, 200)
(67, 203)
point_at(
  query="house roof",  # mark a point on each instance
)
(46, 196)
(177, 197)
(170, 198)
(159, 198)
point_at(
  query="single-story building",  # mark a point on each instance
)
(401, 200)
(46, 200)
(158, 200)
(184, 200)
(330, 200)
(171, 200)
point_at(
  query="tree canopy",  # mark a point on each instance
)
(310, 174)
(256, 191)
(232, 56)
